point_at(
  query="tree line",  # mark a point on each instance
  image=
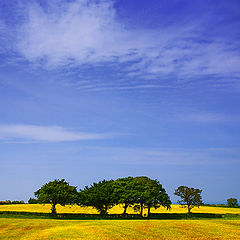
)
(11, 202)
(138, 192)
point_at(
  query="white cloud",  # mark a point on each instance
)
(81, 31)
(45, 134)
(84, 31)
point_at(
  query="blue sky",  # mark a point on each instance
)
(107, 89)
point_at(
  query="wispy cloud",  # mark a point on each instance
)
(121, 87)
(209, 117)
(28, 133)
(157, 156)
(89, 32)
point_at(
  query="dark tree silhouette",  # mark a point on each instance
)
(232, 202)
(189, 196)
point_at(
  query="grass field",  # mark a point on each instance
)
(25, 228)
(40, 229)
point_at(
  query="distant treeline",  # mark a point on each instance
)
(11, 202)
(222, 205)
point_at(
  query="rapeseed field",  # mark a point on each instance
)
(46, 208)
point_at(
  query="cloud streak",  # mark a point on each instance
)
(209, 117)
(89, 32)
(17, 133)
(157, 156)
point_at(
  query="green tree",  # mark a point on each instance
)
(232, 202)
(189, 196)
(99, 195)
(57, 192)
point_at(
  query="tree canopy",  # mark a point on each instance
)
(129, 191)
(140, 192)
(57, 192)
(99, 195)
(150, 193)
(125, 192)
(232, 202)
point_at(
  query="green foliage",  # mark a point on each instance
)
(11, 202)
(232, 202)
(33, 201)
(221, 205)
(139, 191)
(156, 196)
(99, 195)
(189, 196)
(128, 191)
(125, 192)
(5, 202)
(17, 202)
(150, 193)
(57, 192)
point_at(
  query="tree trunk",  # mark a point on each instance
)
(149, 208)
(125, 208)
(189, 209)
(53, 210)
(141, 209)
(104, 210)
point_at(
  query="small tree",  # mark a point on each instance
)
(189, 196)
(99, 195)
(57, 192)
(232, 202)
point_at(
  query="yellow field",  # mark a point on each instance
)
(117, 209)
(42, 229)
